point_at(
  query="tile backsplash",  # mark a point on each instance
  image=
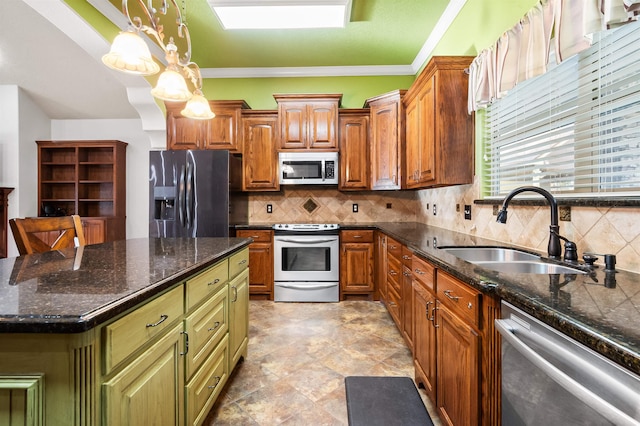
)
(593, 229)
(319, 205)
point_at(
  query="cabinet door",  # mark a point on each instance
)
(322, 122)
(222, 131)
(184, 133)
(412, 137)
(94, 230)
(293, 125)
(150, 390)
(261, 261)
(424, 343)
(354, 151)
(458, 369)
(385, 146)
(356, 267)
(260, 153)
(426, 136)
(238, 317)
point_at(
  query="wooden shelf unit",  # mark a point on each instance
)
(87, 178)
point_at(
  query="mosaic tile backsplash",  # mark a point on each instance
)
(597, 230)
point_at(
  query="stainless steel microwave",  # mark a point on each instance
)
(308, 168)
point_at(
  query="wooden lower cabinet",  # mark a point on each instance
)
(149, 390)
(356, 264)
(458, 363)
(407, 298)
(261, 260)
(424, 343)
(381, 266)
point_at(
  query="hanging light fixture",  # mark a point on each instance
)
(130, 54)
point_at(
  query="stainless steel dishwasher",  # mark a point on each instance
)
(550, 379)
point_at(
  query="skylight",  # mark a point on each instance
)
(281, 14)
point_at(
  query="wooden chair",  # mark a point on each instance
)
(29, 233)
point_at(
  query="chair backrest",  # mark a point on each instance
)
(32, 234)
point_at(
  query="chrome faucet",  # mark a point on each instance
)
(554, 249)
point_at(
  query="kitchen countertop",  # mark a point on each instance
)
(604, 318)
(74, 290)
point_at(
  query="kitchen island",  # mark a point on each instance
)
(126, 332)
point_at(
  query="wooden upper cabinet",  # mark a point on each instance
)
(259, 135)
(354, 149)
(439, 147)
(387, 134)
(308, 122)
(221, 132)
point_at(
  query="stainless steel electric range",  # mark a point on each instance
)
(306, 262)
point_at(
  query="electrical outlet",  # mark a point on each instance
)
(434, 210)
(269, 208)
(388, 205)
(355, 208)
(457, 208)
(467, 212)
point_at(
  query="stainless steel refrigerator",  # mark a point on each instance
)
(195, 193)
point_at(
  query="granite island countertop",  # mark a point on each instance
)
(605, 318)
(74, 290)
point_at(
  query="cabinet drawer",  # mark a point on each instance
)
(394, 273)
(356, 236)
(205, 328)
(423, 272)
(238, 263)
(205, 386)
(459, 297)
(258, 236)
(393, 305)
(206, 283)
(135, 329)
(394, 247)
(407, 257)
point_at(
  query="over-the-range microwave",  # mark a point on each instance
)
(308, 168)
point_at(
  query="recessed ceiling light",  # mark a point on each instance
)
(281, 14)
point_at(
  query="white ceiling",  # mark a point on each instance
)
(59, 75)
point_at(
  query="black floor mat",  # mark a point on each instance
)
(384, 401)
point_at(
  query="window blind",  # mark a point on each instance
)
(574, 130)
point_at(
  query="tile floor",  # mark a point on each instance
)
(299, 355)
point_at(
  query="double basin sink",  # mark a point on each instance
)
(509, 260)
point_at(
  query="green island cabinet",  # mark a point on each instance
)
(164, 362)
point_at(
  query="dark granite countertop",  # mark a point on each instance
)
(604, 318)
(74, 290)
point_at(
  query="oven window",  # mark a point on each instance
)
(306, 259)
(302, 169)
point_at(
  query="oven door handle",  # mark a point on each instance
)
(286, 240)
(306, 287)
(600, 405)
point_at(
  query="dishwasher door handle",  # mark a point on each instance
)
(603, 407)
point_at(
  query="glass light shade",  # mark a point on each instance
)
(171, 87)
(198, 108)
(129, 53)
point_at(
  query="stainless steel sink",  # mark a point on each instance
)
(509, 260)
(490, 254)
(529, 267)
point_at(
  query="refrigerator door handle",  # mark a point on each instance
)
(189, 195)
(181, 196)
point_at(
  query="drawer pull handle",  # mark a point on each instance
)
(255, 236)
(392, 304)
(470, 305)
(186, 343)
(450, 296)
(242, 262)
(235, 294)
(357, 236)
(216, 281)
(393, 246)
(405, 257)
(162, 319)
(406, 274)
(218, 378)
(392, 272)
(419, 271)
(215, 325)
